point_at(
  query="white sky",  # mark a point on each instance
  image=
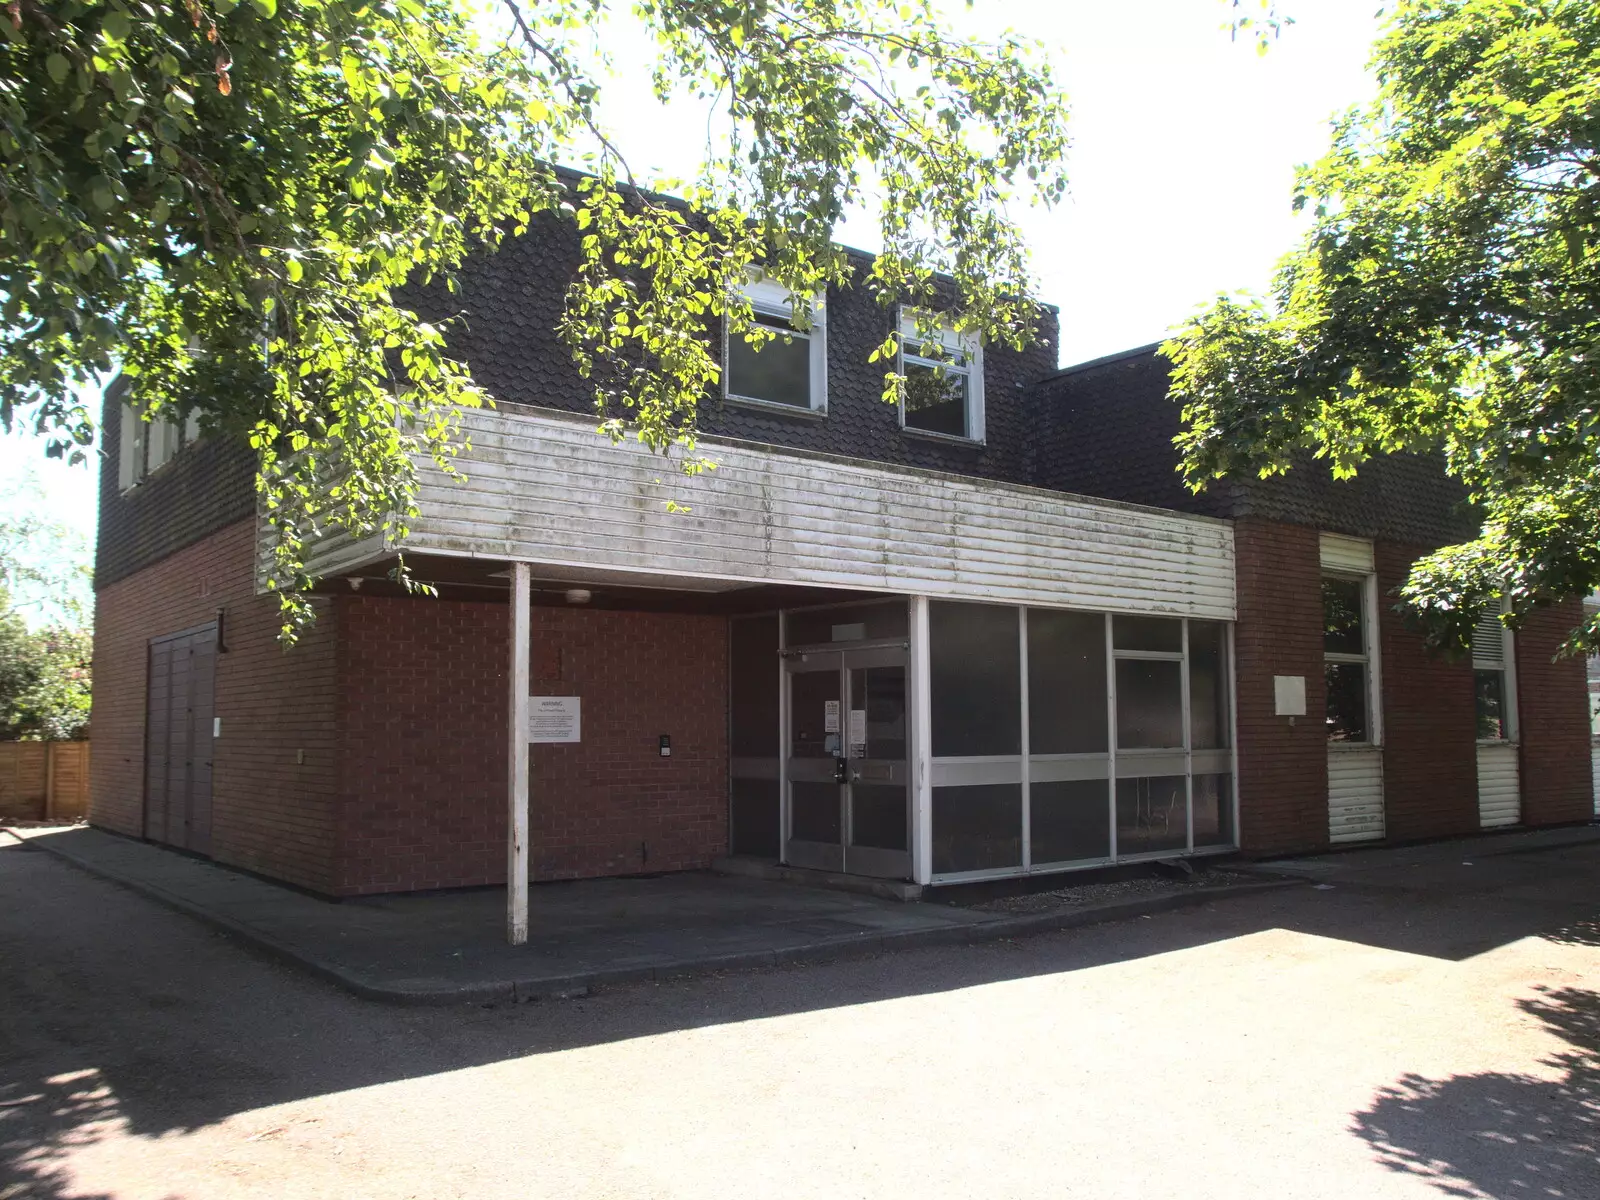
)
(1184, 149)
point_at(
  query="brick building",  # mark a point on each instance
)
(982, 635)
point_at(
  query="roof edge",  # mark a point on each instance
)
(1104, 361)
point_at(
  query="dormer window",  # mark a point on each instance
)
(944, 381)
(791, 369)
(147, 446)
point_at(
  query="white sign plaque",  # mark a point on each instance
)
(858, 727)
(555, 719)
(830, 717)
(1289, 694)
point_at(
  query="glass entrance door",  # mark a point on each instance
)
(849, 797)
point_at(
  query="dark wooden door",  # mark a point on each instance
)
(179, 707)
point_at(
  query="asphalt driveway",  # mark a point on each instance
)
(1402, 1027)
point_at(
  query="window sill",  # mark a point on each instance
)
(776, 409)
(949, 439)
(1354, 746)
(1498, 742)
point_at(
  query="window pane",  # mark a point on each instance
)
(814, 812)
(1066, 682)
(975, 679)
(935, 404)
(1147, 633)
(753, 684)
(810, 693)
(1152, 815)
(1070, 820)
(977, 828)
(780, 371)
(1213, 810)
(753, 818)
(881, 692)
(1342, 610)
(854, 623)
(1208, 686)
(1491, 703)
(1149, 704)
(1347, 701)
(879, 816)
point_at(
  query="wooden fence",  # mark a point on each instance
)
(42, 781)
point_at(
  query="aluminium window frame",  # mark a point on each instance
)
(969, 346)
(769, 299)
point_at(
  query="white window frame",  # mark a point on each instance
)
(145, 447)
(772, 300)
(966, 346)
(1507, 666)
(1351, 558)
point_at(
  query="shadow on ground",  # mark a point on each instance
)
(1503, 1134)
(125, 1017)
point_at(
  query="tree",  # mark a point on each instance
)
(224, 200)
(44, 668)
(1445, 299)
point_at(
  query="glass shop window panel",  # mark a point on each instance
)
(1152, 815)
(1147, 633)
(852, 623)
(814, 812)
(1343, 612)
(977, 827)
(754, 683)
(937, 402)
(1066, 682)
(881, 692)
(1149, 704)
(1070, 820)
(779, 372)
(975, 679)
(880, 816)
(810, 692)
(1208, 686)
(1491, 703)
(753, 818)
(1213, 810)
(1347, 701)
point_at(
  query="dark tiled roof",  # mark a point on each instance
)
(1107, 428)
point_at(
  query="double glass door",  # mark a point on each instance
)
(849, 799)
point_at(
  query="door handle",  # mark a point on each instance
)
(841, 770)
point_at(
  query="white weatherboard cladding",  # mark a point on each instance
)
(1355, 794)
(548, 489)
(1499, 799)
(1340, 553)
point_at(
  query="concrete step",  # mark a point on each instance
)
(760, 868)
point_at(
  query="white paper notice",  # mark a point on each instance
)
(555, 719)
(830, 717)
(858, 727)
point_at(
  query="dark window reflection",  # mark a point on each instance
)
(780, 371)
(976, 687)
(1341, 617)
(1491, 703)
(936, 402)
(1152, 814)
(1347, 701)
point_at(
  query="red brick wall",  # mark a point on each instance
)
(424, 773)
(272, 813)
(1430, 755)
(1283, 768)
(1552, 698)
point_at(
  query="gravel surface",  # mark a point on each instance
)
(1078, 895)
(1404, 1041)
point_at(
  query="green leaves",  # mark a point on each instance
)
(1446, 299)
(224, 200)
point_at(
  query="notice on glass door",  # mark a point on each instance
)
(830, 717)
(858, 732)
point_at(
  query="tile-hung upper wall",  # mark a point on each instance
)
(1106, 429)
(510, 302)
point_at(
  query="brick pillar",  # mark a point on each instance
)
(1283, 768)
(1430, 755)
(1552, 702)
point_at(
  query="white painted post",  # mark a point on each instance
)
(517, 748)
(921, 746)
